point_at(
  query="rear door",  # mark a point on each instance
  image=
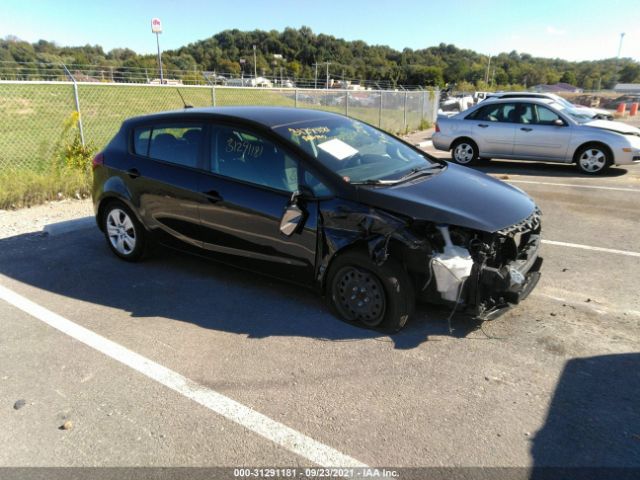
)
(537, 135)
(163, 179)
(493, 130)
(246, 191)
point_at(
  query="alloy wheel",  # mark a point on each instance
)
(121, 231)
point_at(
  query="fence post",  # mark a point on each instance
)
(77, 99)
(346, 103)
(404, 115)
(213, 95)
(424, 99)
(380, 112)
(296, 98)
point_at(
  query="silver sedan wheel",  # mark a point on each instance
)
(463, 153)
(593, 160)
(121, 232)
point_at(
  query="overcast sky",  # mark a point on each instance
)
(573, 30)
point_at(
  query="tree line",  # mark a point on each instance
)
(295, 52)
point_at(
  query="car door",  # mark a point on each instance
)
(493, 131)
(538, 136)
(249, 185)
(163, 178)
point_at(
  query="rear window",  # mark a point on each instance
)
(175, 143)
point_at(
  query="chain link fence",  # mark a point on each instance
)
(34, 116)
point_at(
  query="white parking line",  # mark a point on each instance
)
(596, 187)
(588, 247)
(258, 423)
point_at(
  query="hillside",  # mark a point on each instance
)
(302, 48)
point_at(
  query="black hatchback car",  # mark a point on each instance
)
(321, 200)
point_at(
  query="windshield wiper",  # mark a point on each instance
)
(413, 173)
(375, 182)
(418, 171)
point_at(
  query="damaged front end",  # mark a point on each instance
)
(479, 273)
(502, 268)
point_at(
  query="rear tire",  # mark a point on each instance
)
(464, 152)
(593, 159)
(379, 297)
(125, 235)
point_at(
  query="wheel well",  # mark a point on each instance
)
(604, 146)
(463, 139)
(103, 204)
(359, 245)
(396, 251)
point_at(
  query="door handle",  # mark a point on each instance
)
(213, 196)
(526, 129)
(483, 125)
(133, 173)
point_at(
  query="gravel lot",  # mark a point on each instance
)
(34, 219)
(555, 381)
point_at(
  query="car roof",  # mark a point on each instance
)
(270, 117)
(493, 100)
(524, 94)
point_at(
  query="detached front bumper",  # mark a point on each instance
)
(498, 289)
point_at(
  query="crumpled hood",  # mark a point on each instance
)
(613, 126)
(456, 196)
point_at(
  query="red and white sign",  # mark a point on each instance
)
(156, 25)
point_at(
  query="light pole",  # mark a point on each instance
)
(615, 73)
(156, 27)
(255, 66)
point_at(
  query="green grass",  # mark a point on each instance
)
(24, 187)
(32, 119)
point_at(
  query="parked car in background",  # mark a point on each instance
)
(626, 99)
(321, 200)
(536, 129)
(588, 112)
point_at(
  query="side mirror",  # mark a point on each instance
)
(293, 217)
(559, 122)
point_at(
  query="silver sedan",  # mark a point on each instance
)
(536, 129)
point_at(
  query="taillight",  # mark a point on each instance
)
(98, 160)
(437, 127)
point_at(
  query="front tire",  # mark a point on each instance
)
(373, 296)
(123, 232)
(593, 159)
(464, 152)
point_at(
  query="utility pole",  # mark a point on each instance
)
(615, 73)
(327, 84)
(316, 77)
(255, 65)
(486, 76)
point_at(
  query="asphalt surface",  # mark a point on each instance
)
(555, 381)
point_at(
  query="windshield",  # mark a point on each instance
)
(355, 151)
(562, 101)
(575, 113)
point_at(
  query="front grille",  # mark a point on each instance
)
(531, 224)
(517, 237)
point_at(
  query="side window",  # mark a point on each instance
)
(525, 113)
(174, 143)
(141, 141)
(546, 116)
(242, 155)
(487, 114)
